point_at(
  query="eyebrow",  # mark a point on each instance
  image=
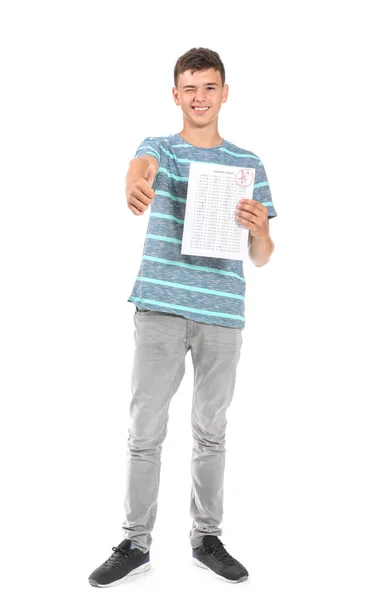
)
(192, 86)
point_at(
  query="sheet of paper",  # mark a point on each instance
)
(210, 226)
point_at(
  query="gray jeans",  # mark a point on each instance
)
(162, 341)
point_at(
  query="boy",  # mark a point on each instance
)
(185, 302)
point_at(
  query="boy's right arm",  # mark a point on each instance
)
(139, 179)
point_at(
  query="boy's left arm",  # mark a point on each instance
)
(254, 216)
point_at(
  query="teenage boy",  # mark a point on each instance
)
(185, 302)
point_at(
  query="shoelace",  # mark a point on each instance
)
(220, 553)
(118, 556)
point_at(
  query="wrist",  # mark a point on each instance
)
(260, 238)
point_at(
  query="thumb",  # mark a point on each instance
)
(150, 175)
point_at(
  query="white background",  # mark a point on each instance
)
(83, 84)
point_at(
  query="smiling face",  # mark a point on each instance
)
(200, 96)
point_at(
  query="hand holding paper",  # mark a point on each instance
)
(210, 226)
(253, 215)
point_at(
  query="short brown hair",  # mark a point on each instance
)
(198, 59)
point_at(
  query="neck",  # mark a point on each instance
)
(201, 137)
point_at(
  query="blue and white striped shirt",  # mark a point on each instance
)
(205, 289)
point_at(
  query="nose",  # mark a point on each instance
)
(200, 96)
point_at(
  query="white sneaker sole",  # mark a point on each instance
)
(137, 571)
(200, 564)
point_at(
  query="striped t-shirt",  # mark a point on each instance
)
(205, 289)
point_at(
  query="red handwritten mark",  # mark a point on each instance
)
(244, 178)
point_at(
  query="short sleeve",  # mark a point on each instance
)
(150, 145)
(262, 192)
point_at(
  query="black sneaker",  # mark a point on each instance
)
(125, 561)
(213, 556)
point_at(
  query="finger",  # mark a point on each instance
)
(248, 212)
(138, 197)
(246, 203)
(150, 175)
(244, 211)
(260, 209)
(143, 186)
(135, 210)
(140, 206)
(258, 212)
(253, 205)
(252, 220)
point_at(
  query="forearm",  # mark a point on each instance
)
(260, 250)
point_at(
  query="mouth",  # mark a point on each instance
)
(199, 110)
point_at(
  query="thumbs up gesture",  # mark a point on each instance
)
(150, 175)
(139, 192)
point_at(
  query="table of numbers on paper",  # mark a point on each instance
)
(210, 226)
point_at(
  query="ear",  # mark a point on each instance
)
(225, 92)
(175, 95)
